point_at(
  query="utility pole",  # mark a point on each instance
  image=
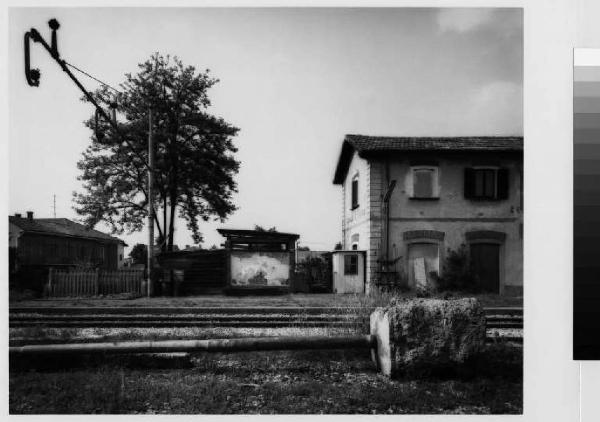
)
(150, 202)
(54, 205)
(33, 79)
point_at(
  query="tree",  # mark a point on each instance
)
(139, 253)
(303, 248)
(338, 246)
(194, 166)
(262, 229)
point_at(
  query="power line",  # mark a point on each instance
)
(90, 76)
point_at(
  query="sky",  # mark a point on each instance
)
(295, 81)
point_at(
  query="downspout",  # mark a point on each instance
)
(387, 214)
(391, 184)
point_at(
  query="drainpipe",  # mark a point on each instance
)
(386, 210)
(387, 213)
(212, 345)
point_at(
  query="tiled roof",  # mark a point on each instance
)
(364, 143)
(370, 145)
(59, 226)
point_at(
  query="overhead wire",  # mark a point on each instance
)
(92, 77)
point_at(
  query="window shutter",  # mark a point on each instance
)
(503, 183)
(469, 182)
(423, 183)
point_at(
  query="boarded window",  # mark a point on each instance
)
(354, 193)
(424, 181)
(351, 264)
(428, 254)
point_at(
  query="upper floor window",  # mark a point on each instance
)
(425, 182)
(354, 192)
(487, 183)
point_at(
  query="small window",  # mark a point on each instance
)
(351, 264)
(424, 182)
(486, 183)
(355, 192)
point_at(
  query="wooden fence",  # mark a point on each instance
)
(63, 283)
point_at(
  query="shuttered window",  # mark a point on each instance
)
(424, 182)
(486, 183)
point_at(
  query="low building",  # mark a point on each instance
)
(259, 261)
(41, 243)
(253, 261)
(408, 202)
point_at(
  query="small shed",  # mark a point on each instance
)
(349, 271)
(259, 261)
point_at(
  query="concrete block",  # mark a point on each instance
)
(420, 335)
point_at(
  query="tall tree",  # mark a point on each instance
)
(194, 166)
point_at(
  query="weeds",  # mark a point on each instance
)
(299, 382)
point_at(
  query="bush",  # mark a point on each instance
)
(457, 274)
(313, 275)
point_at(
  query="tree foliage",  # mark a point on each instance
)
(262, 229)
(139, 253)
(194, 154)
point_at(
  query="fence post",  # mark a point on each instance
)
(50, 282)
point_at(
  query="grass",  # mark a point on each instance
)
(300, 382)
(269, 382)
(325, 300)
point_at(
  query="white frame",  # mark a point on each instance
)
(435, 189)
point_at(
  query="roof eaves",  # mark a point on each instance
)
(343, 164)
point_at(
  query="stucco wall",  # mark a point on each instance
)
(260, 268)
(452, 213)
(357, 222)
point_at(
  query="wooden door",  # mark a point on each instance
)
(485, 264)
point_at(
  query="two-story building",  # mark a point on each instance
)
(408, 200)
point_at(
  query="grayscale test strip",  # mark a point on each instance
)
(586, 211)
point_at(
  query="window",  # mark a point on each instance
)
(351, 264)
(355, 192)
(486, 183)
(424, 182)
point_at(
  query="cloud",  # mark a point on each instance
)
(498, 108)
(463, 19)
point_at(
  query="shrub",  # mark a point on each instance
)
(457, 274)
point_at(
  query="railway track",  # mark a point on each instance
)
(250, 317)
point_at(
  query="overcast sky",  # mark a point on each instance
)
(295, 81)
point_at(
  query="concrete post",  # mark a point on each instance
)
(411, 335)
